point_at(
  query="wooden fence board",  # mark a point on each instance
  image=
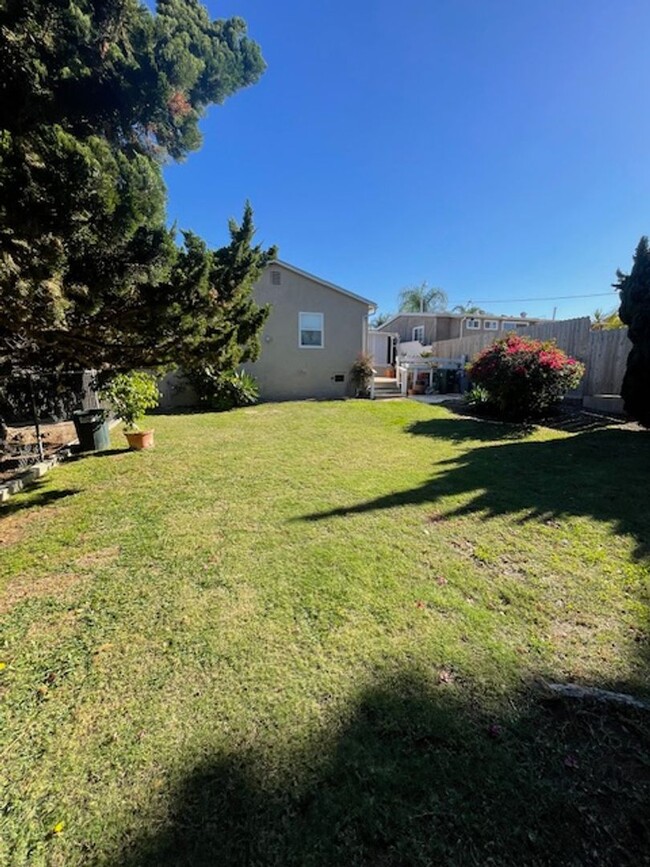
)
(604, 353)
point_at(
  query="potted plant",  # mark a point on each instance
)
(361, 374)
(130, 396)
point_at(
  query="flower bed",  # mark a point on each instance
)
(523, 378)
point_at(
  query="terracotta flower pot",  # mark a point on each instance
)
(139, 439)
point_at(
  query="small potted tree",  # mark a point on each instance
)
(130, 395)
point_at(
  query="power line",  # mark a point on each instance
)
(545, 298)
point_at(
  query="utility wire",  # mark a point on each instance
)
(545, 298)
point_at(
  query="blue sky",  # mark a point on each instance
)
(496, 148)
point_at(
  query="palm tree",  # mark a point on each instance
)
(605, 321)
(380, 319)
(422, 299)
(468, 308)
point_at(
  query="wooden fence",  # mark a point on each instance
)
(604, 353)
(606, 361)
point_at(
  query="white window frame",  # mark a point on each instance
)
(302, 313)
(508, 325)
(473, 324)
(491, 324)
(420, 330)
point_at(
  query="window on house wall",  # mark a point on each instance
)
(491, 324)
(311, 331)
(473, 324)
(508, 326)
(418, 333)
(276, 278)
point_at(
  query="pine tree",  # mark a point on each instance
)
(635, 313)
(95, 96)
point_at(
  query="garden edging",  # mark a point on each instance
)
(25, 478)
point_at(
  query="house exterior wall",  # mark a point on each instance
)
(448, 327)
(444, 327)
(284, 369)
(435, 327)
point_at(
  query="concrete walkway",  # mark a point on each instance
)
(435, 398)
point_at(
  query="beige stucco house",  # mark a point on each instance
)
(313, 335)
(431, 327)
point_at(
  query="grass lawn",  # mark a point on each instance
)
(315, 634)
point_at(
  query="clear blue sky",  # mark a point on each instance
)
(496, 148)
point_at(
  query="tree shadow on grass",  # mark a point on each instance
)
(419, 775)
(32, 498)
(603, 474)
(105, 453)
(569, 419)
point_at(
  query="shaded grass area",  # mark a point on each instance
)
(313, 633)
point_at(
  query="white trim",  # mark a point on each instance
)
(301, 329)
(491, 324)
(420, 329)
(473, 323)
(371, 304)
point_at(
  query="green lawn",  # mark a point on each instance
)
(315, 634)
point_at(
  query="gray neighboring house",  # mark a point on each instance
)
(430, 327)
(313, 335)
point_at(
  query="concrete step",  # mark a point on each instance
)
(384, 391)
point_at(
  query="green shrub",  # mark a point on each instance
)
(130, 396)
(224, 390)
(524, 378)
(477, 397)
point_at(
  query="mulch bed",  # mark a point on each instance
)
(568, 417)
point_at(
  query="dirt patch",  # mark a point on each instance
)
(94, 559)
(24, 588)
(11, 531)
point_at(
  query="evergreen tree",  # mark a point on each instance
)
(635, 313)
(95, 95)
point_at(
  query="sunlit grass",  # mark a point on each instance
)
(268, 594)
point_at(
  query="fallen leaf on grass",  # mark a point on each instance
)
(446, 676)
(420, 604)
(441, 580)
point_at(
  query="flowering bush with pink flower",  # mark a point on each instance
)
(524, 378)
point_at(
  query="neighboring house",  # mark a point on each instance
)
(313, 335)
(430, 327)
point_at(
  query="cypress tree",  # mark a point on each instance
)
(95, 96)
(635, 313)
